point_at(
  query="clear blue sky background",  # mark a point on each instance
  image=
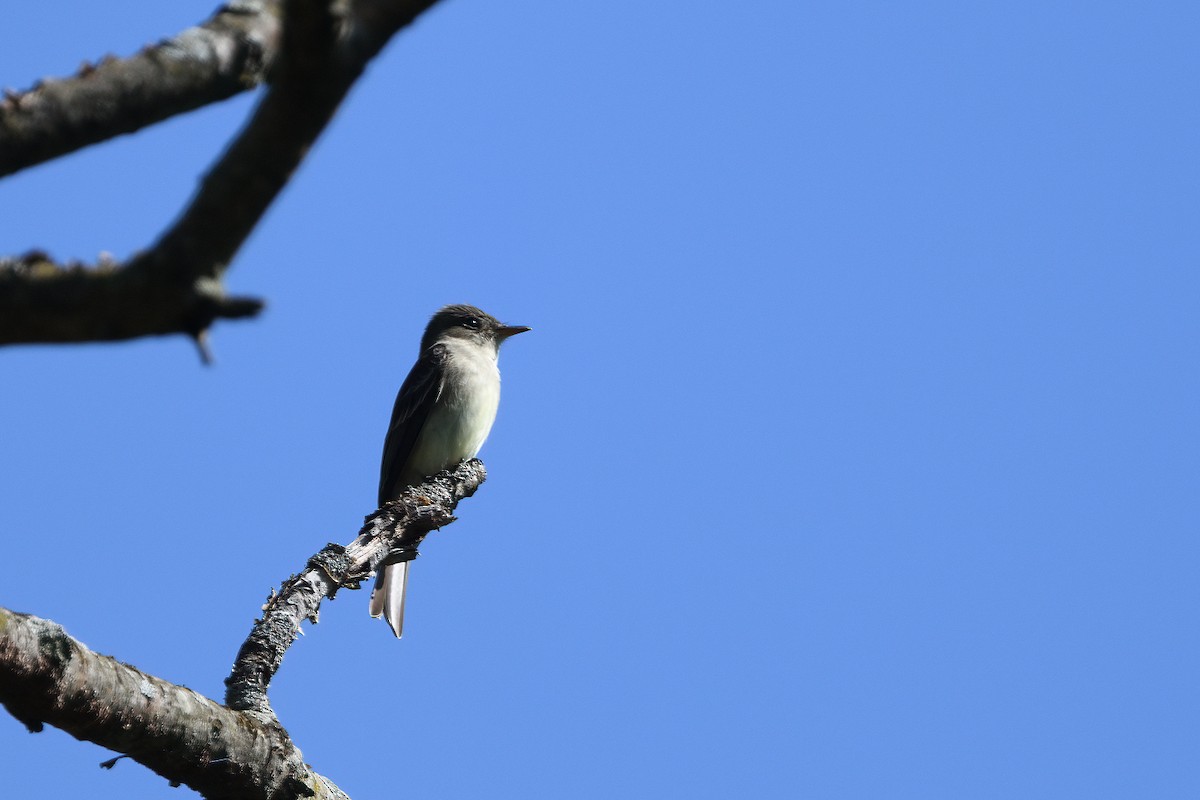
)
(854, 453)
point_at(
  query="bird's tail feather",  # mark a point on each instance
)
(387, 598)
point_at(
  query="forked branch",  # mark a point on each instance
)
(236, 750)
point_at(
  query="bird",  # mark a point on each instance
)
(443, 413)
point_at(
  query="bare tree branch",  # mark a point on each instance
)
(176, 286)
(239, 750)
(41, 301)
(228, 54)
(397, 528)
(48, 677)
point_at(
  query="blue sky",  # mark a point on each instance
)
(853, 454)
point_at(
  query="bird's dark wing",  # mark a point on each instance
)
(416, 397)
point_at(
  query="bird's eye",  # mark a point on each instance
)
(472, 323)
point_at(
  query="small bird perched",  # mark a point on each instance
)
(443, 414)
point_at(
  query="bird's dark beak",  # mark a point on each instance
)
(505, 331)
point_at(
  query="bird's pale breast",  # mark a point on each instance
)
(462, 417)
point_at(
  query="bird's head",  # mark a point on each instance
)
(468, 322)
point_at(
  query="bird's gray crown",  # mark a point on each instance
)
(467, 322)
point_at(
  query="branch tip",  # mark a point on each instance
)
(200, 339)
(400, 525)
